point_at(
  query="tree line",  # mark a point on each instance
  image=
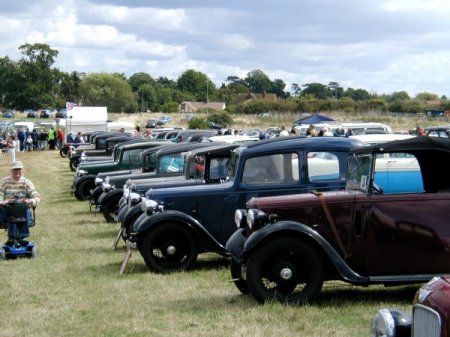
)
(32, 82)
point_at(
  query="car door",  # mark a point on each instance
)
(408, 234)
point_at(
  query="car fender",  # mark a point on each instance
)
(235, 244)
(131, 215)
(105, 197)
(83, 179)
(292, 228)
(205, 240)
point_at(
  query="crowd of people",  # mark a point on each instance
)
(21, 140)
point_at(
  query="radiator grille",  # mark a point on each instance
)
(426, 322)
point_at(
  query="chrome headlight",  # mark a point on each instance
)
(390, 323)
(256, 219)
(126, 191)
(98, 181)
(83, 157)
(240, 217)
(149, 206)
(106, 187)
(81, 173)
(134, 197)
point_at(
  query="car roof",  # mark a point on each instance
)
(296, 142)
(414, 144)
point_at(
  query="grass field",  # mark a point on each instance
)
(73, 287)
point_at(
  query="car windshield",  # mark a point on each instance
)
(233, 166)
(171, 163)
(358, 172)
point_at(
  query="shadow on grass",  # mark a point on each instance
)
(347, 294)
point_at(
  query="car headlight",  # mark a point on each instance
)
(98, 181)
(83, 157)
(134, 197)
(149, 206)
(256, 219)
(390, 323)
(240, 217)
(81, 173)
(106, 187)
(126, 191)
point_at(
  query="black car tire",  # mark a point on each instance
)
(110, 208)
(63, 152)
(169, 247)
(298, 262)
(73, 163)
(235, 269)
(84, 190)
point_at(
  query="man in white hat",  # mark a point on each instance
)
(13, 188)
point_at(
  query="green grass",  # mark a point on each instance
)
(73, 287)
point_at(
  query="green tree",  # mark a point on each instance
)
(139, 79)
(258, 82)
(8, 74)
(69, 86)
(426, 96)
(197, 84)
(198, 123)
(37, 86)
(278, 86)
(317, 90)
(110, 90)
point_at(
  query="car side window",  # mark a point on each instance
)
(219, 168)
(171, 163)
(397, 173)
(323, 166)
(271, 169)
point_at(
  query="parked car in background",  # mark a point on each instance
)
(430, 314)
(47, 113)
(214, 126)
(151, 123)
(9, 114)
(30, 113)
(164, 120)
(62, 113)
(438, 131)
(389, 226)
(182, 222)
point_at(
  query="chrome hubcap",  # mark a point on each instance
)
(286, 274)
(171, 250)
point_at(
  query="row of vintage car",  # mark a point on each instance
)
(291, 213)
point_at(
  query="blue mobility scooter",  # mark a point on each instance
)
(17, 212)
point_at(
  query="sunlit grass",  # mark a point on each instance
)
(73, 287)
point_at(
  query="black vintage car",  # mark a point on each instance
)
(126, 157)
(182, 222)
(205, 165)
(167, 164)
(389, 226)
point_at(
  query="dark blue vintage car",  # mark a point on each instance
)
(179, 223)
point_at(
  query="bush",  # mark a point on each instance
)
(220, 118)
(197, 123)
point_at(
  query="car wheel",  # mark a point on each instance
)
(169, 247)
(285, 270)
(63, 152)
(235, 269)
(110, 208)
(74, 162)
(84, 190)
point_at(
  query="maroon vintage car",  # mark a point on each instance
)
(390, 226)
(430, 314)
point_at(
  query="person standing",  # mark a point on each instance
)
(21, 136)
(51, 138)
(11, 147)
(43, 140)
(284, 132)
(13, 188)
(60, 138)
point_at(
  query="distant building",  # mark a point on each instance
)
(190, 107)
(241, 98)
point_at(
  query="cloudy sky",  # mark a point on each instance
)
(382, 46)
